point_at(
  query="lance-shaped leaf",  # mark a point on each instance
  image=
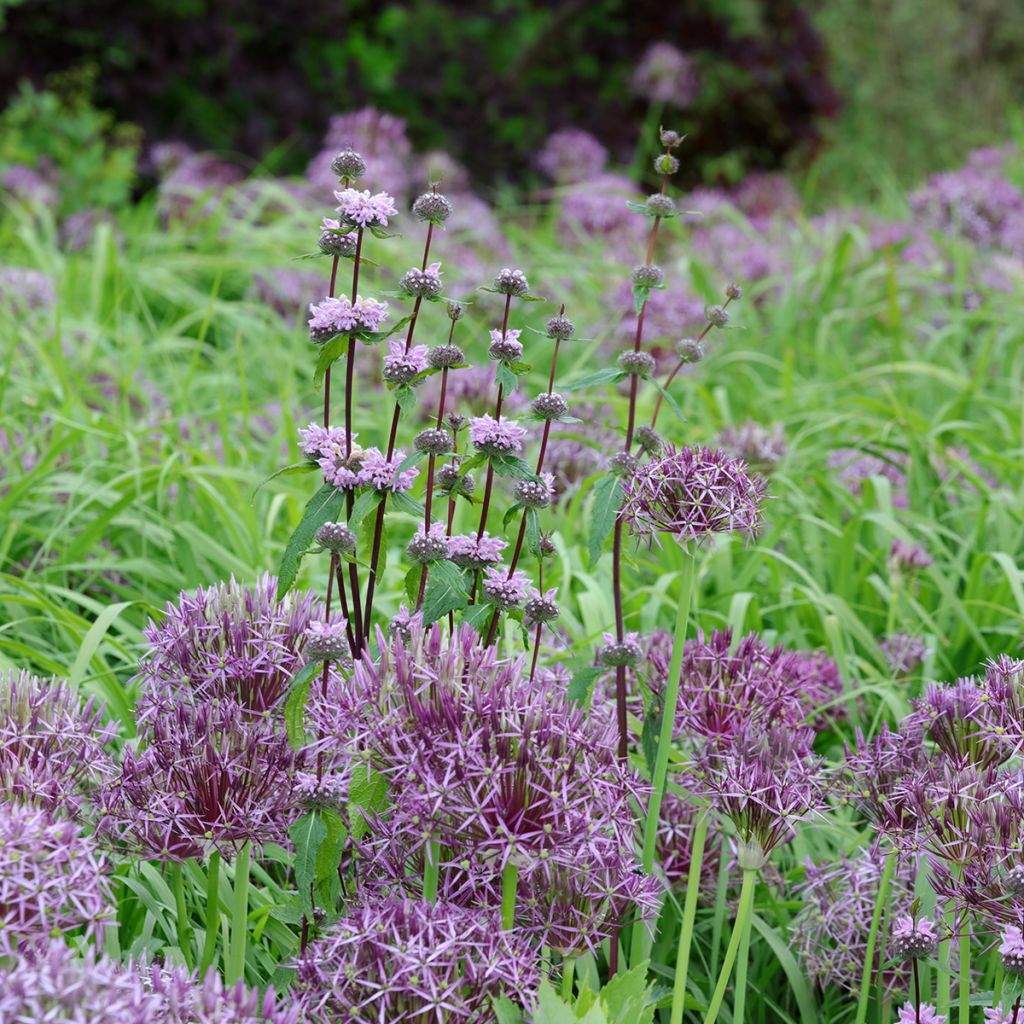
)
(325, 506)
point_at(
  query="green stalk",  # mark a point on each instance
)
(944, 976)
(184, 929)
(431, 871)
(509, 883)
(212, 914)
(740, 925)
(742, 961)
(568, 966)
(965, 978)
(640, 947)
(689, 914)
(234, 967)
(718, 917)
(869, 952)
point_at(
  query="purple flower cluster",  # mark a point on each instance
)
(473, 551)
(761, 448)
(666, 75)
(692, 493)
(360, 209)
(401, 961)
(496, 437)
(339, 315)
(570, 156)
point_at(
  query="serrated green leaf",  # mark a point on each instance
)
(607, 499)
(412, 584)
(363, 506)
(533, 532)
(376, 337)
(406, 398)
(477, 616)
(505, 378)
(514, 466)
(626, 997)
(445, 591)
(510, 514)
(641, 293)
(409, 461)
(295, 469)
(307, 835)
(294, 703)
(607, 375)
(506, 1012)
(323, 507)
(330, 352)
(582, 684)
(368, 789)
(405, 502)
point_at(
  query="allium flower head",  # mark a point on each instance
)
(903, 652)
(400, 366)
(496, 437)
(473, 551)
(51, 743)
(570, 156)
(360, 209)
(505, 591)
(906, 557)
(666, 75)
(206, 778)
(759, 447)
(400, 961)
(52, 877)
(505, 348)
(229, 643)
(692, 493)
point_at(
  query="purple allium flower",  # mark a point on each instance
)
(400, 961)
(856, 467)
(496, 437)
(192, 184)
(505, 348)
(830, 932)
(505, 590)
(339, 315)
(923, 1014)
(912, 938)
(379, 138)
(23, 290)
(570, 156)
(904, 557)
(476, 551)
(903, 652)
(692, 493)
(675, 843)
(597, 209)
(207, 778)
(29, 185)
(666, 75)
(360, 209)
(400, 366)
(229, 643)
(496, 768)
(430, 545)
(963, 722)
(540, 608)
(669, 313)
(53, 878)
(51, 743)
(422, 283)
(383, 474)
(328, 641)
(759, 447)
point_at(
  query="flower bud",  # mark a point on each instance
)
(336, 537)
(648, 440)
(718, 316)
(647, 275)
(455, 311)
(421, 284)
(457, 421)
(337, 243)
(511, 282)
(661, 206)
(443, 357)
(666, 164)
(623, 464)
(913, 939)
(433, 207)
(533, 493)
(425, 548)
(434, 441)
(625, 654)
(690, 350)
(561, 327)
(348, 164)
(669, 139)
(540, 609)
(640, 363)
(734, 291)
(450, 481)
(549, 406)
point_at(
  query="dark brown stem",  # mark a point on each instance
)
(1016, 1010)
(917, 992)
(540, 625)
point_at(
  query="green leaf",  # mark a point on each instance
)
(506, 1012)
(376, 337)
(363, 506)
(445, 591)
(409, 461)
(625, 997)
(505, 378)
(651, 732)
(379, 232)
(406, 398)
(608, 375)
(412, 584)
(407, 503)
(295, 469)
(510, 514)
(582, 684)
(641, 292)
(307, 834)
(607, 499)
(514, 466)
(294, 703)
(477, 616)
(669, 400)
(368, 789)
(330, 352)
(533, 532)
(329, 854)
(323, 507)
(805, 998)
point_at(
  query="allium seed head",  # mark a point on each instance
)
(336, 537)
(692, 493)
(666, 164)
(642, 364)
(560, 327)
(647, 275)
(549, 406)
(717, 315)
(348, 164)
(690, 350)
(433, 207)
(443, 357)
(511, 282)
(648, 440)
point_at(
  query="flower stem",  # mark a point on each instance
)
(234, 967)
(700, 832)
(509, 884)
(184, 930)
(568, 969)
(641, 939)
(740, 927)
(742, 962)
(881, 900)
(212, 914)
(965, 978)
(431, 870)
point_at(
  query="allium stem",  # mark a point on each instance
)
(965, 978)
(742, 962)
(881, 900)
(431, 870)
(184, 929)
(679, 365)
(212, 914)
(700, 833)
(234, 967)
(568, 969)
(687, 576)
(509, 884)
(740, 926)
